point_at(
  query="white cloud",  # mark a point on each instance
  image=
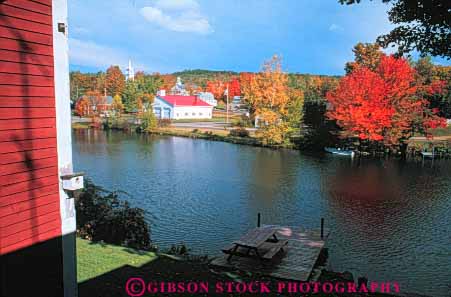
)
(335, 28)
(88, 53)
(178, 16)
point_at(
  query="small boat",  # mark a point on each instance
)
(340, 152)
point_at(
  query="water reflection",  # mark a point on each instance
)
(389, 220)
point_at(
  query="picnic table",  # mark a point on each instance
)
(260, 242)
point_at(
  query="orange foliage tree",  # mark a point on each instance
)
(217, 88)
(82, 107)
(384, 105)
(114, 81)
(169, 81)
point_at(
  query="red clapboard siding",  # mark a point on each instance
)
(23, 68)
(20, 57)
(28, 156)
(25, 47)
(20, 13)
(29, 180)
(14, 135)
(12, 22)
(27, 196)
(35, 220)
(30, 5)
(27, 185)
(25, 176)
(26, 113)
(10, 210)
(9, 90)
(26, 102)
(28, 166)
(31, 232)
(25, 80)
(26, 123)
(27, 145)
(42, 236)
(25, 36)
(29, 213)
(45, 2)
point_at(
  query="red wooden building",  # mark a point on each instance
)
(37, 216)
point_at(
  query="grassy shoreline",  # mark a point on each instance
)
(103, 270)
(441, 136)
(215, 135)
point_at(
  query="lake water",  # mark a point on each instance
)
(389, 221)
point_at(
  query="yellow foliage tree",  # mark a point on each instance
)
(268, 88)
(268, 96)
(117, 103)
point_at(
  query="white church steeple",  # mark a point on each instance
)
(130, 71)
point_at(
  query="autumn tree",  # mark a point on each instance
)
(268, 88)
(295, 110)
(234, 87)
(437, 84)
(96, 100)
(80, 83)
(217, 88)
(367, 55)
(168, 81)
(384, 105)
(114, 81)
(148, 86)
(117, 104)
(82, 107)
(131, 96)
(267, 95)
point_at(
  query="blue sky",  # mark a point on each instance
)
(312, 36)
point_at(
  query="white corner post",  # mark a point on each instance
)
(64, 143)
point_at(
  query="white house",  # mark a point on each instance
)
(208, 97)
(181, 107)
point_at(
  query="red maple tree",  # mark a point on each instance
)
(384, 105)
(234, 88)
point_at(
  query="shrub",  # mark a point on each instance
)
(102, 216)
(239, 132)
(148, 121)
(243, 121)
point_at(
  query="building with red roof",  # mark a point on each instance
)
(181, 107)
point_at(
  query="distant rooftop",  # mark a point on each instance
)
(178, 100)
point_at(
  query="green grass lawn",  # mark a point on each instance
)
(99, 274)
(94, 259)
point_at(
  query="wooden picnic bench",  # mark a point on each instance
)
(260, 242)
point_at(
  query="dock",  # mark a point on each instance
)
(296, 263)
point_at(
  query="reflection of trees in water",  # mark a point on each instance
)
(381, 199)
(388, 219)
(272, 182)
